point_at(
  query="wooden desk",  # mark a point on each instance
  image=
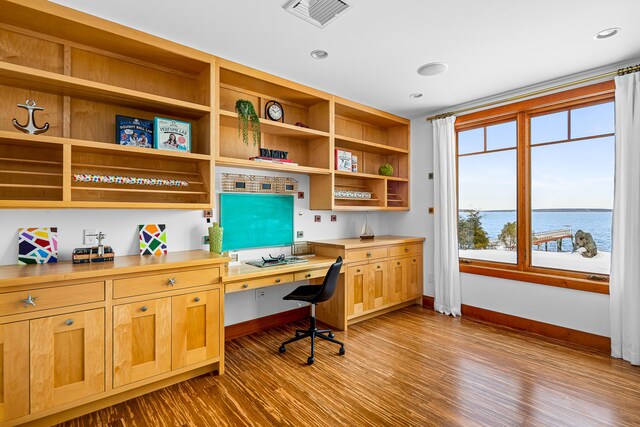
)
(380, 275)
(245, 277)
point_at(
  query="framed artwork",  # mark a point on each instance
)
(37, 245)
(153, 239)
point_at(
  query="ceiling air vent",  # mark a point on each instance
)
(319, 12)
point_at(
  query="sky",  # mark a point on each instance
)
(568, 175)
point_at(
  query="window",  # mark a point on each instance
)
(535, 189)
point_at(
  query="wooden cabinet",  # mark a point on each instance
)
(141, 340)
(195, 322)
(84, 72)
(366, 287)
(398, 279)
(14, 370)
(405, 278)
(308, 147)
(66, 358)
(379, 275)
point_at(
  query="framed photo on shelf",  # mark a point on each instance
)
(173, 135)
(343, 160)
(134, 132)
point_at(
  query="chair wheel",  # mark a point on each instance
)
(331, 335)
(341, 351)
(310, 361)
(282, 349)
(298, 334)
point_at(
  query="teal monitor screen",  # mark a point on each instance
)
(256, 220)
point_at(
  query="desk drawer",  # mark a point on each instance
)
(311, 274)
(46, 298)
(259, 282)
(410, 249)
(167, 281)
(366, 254)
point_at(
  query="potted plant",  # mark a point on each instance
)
(247, 115)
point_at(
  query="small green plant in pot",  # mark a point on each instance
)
(247, 116)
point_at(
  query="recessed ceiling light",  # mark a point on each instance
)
(415, 95)
(432, 68)
(319, 54)
(605, 34)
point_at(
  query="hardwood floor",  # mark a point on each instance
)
(412, 367)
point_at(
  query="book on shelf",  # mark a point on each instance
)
(343, 160)
(134, 132)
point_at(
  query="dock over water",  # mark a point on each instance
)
(545, 237)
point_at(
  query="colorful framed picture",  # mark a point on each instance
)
(37, 245)
(153, 239)
(134, 132)
(172, 135)
(343, 160)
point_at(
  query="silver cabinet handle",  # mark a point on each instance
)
(245, 285)
(29, 301)
(69, 322)
(144, 308)
(369, 254)
(197, 299)
(277, 280)
(172, 281)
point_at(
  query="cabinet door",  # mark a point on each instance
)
(398, 280)
(141, 340)
(356, 289)
(195, 323)
(14, 370)
(416, 279)
(67, 358)
(376, 285)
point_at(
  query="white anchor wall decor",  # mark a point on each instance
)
(31, 127)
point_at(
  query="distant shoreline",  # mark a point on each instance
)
(547, 210)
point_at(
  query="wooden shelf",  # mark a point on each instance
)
(45, 81)
(230, 119)
(360, 145)
(17, 138)
(354, 199)
(135, 190)
(281, 167)
(357, 175)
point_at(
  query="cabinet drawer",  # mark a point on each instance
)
(305, 275)
(412, 249)
(167, 281)
(258, 283)
(366, 254)
(46, 298)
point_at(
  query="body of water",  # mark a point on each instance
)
(596, 223)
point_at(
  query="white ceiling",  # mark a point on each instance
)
(491, 46)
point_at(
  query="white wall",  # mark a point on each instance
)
(184, 231)
(583, 311)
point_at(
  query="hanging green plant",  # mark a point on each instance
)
(247, 115)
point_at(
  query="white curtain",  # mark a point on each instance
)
(625, 252)
(446, 268)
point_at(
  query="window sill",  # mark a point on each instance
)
(586, 285)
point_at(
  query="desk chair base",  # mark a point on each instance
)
(312, 333)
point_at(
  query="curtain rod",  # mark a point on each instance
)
(620, 72)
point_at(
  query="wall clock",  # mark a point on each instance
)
(273, 110)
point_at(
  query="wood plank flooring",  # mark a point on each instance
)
(412, 367)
